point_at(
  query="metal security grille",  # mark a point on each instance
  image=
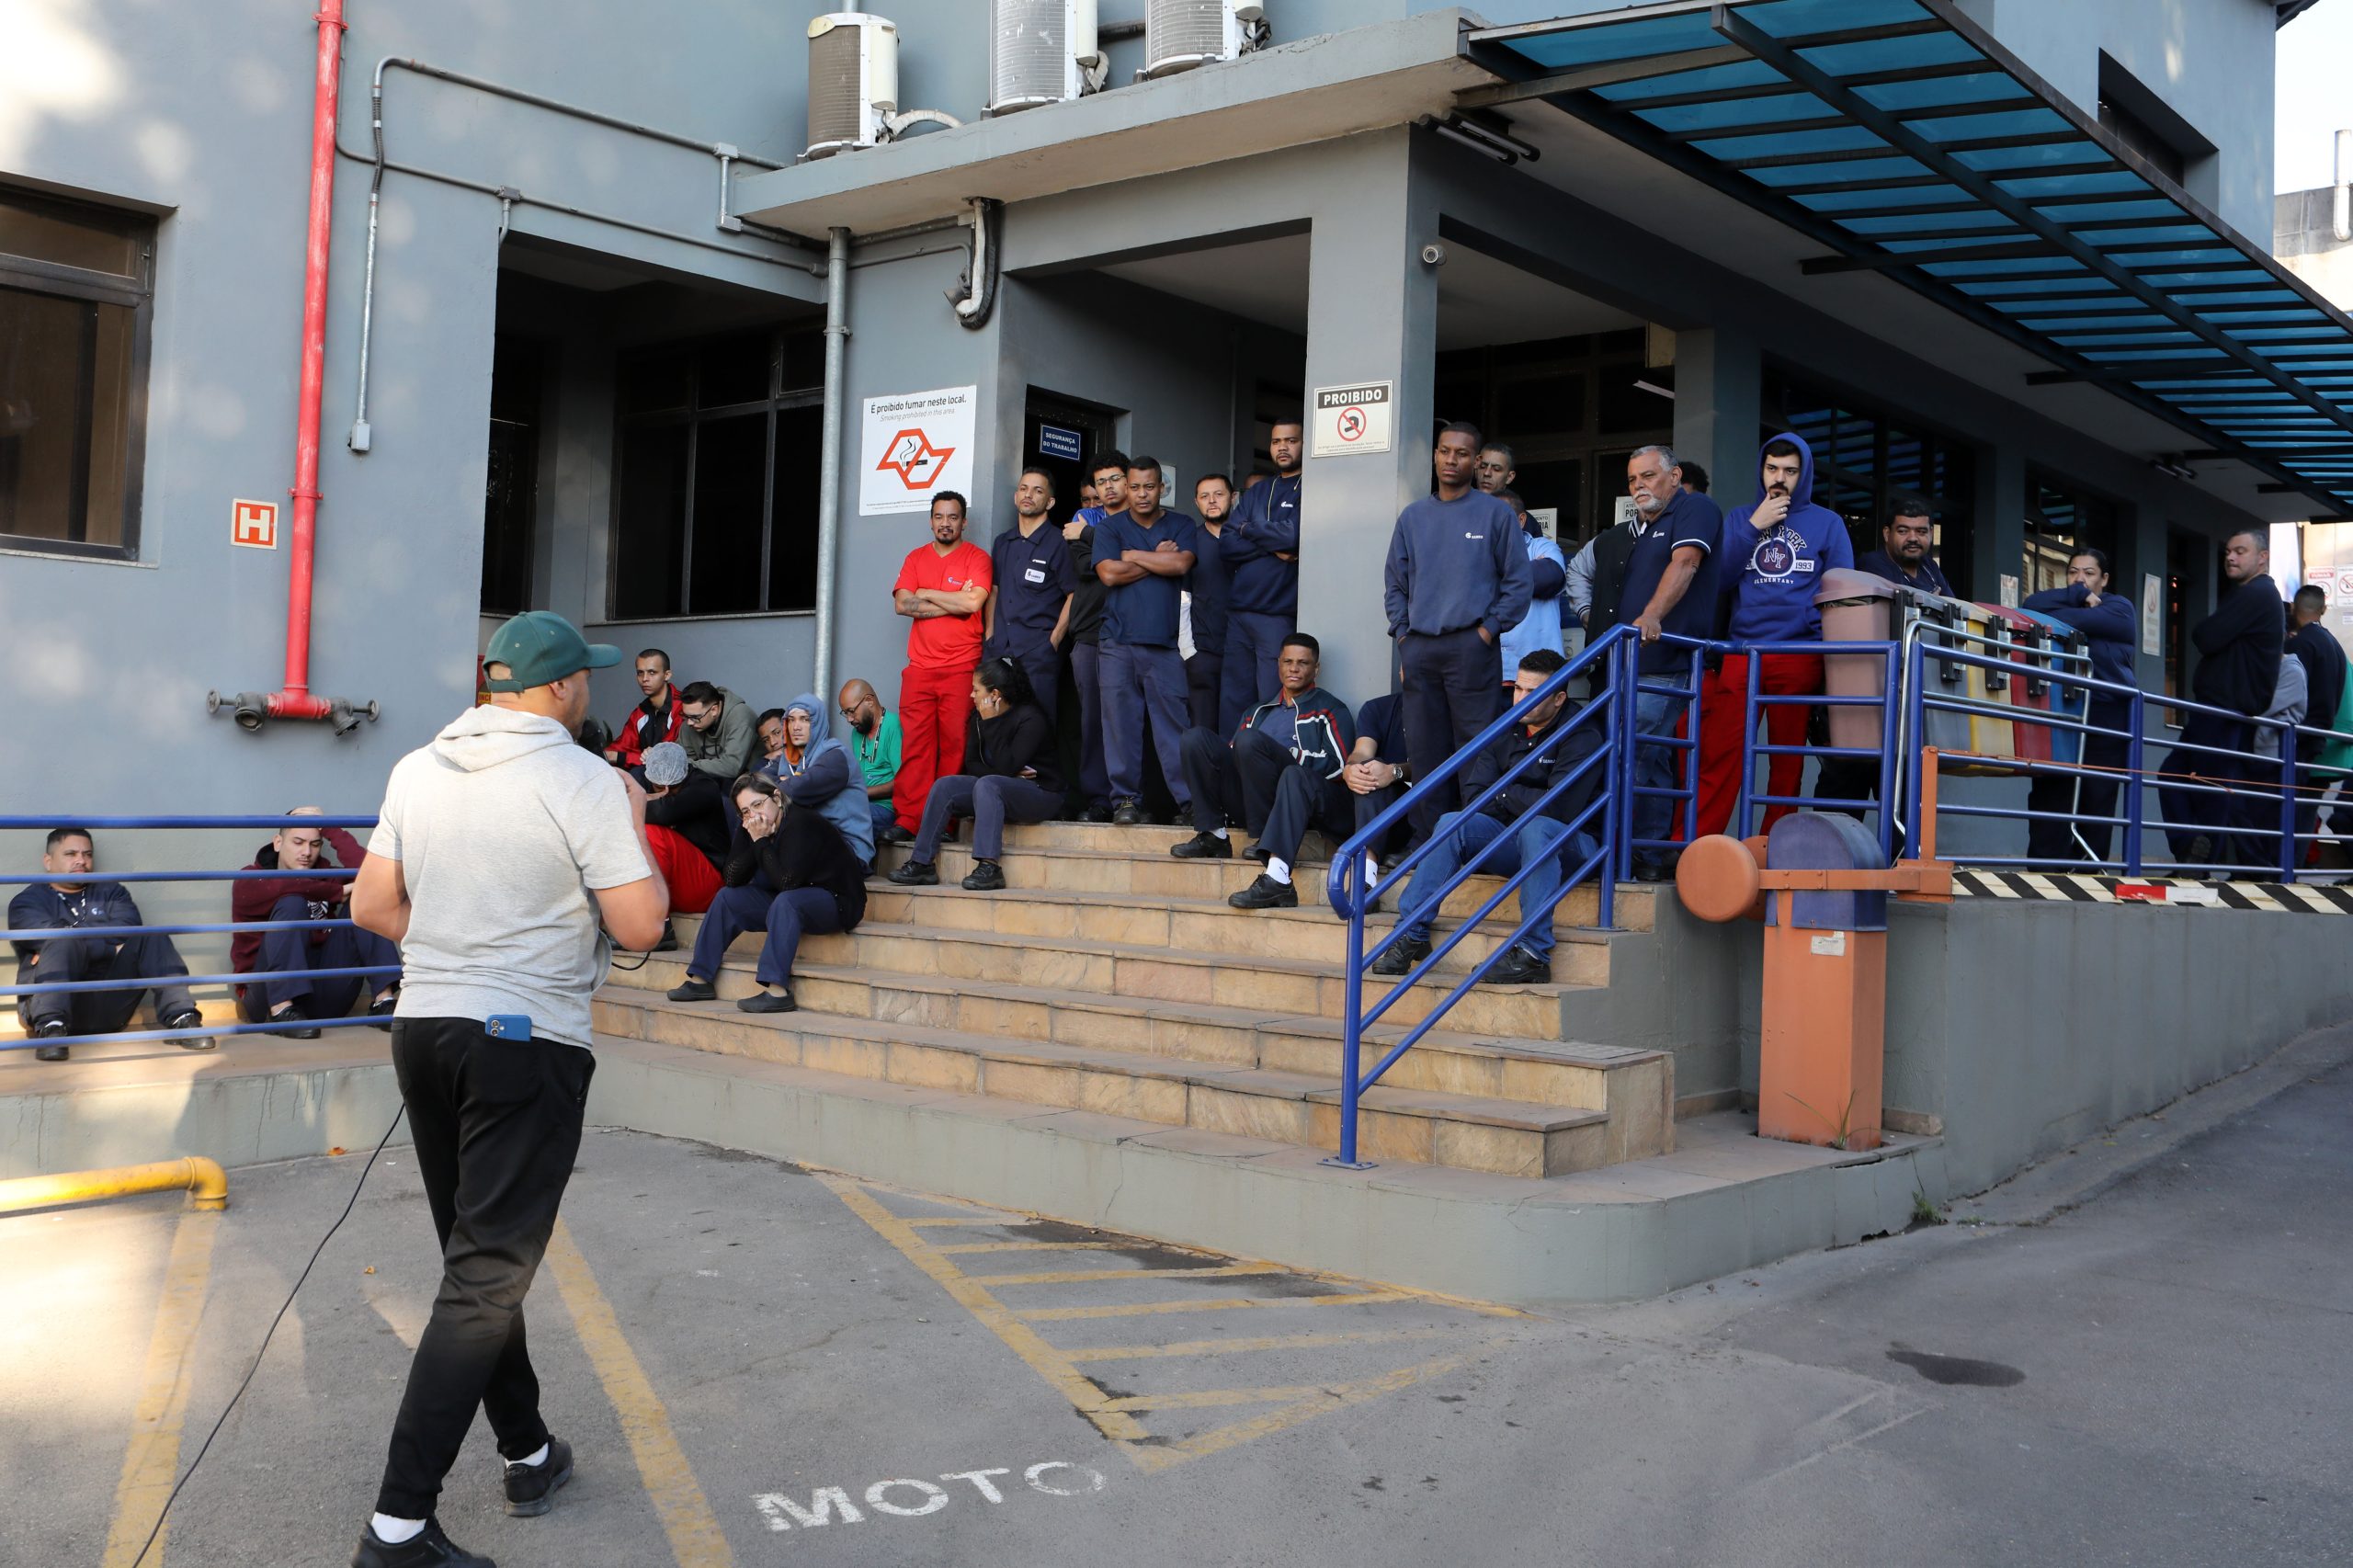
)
(836, 86)
(1028, 45)
(1183, 30)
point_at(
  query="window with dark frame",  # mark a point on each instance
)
(715, 476)
(2059, 522)
(76, 312)
(1865, 461)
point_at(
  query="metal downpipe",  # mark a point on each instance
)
(829, 466)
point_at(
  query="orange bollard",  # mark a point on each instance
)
(1825, 1034)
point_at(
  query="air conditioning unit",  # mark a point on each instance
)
(1041, 51)
(853, 80)
(1181, 34)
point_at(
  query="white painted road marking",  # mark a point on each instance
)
(1055, 1478)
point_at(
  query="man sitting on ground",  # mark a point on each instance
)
(1279, 776)
(788, 871)
(1510, 832)
(718, 734)
(292, 1001)
(653, 721)
(874, 742)
(686, 830)
(72, 854)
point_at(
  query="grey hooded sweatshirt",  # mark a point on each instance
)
(505, 829)
(726, 749)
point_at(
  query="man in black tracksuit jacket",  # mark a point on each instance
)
(1282, 774)
(1512, 831)
(2239, 649)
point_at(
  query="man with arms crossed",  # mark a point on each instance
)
(502, 846)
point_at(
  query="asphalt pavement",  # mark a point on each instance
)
(762, 1364)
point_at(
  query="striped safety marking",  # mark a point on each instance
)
(2170, 892)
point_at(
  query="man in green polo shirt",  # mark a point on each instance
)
(874, 740)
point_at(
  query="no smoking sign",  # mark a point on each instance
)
(1355, 418)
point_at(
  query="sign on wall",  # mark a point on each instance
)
(912, 444)
(2153, 614)
(1060, 442)
(254, 524)
(1360, 418)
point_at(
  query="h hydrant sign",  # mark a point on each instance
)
(911, 444)
(1351, 419)
(254, 524)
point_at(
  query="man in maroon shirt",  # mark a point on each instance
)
(300, 893)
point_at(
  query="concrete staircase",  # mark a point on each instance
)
(1112, 978)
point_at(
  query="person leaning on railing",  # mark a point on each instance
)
(2239, 649)
(1511, 832)
(2110, 627)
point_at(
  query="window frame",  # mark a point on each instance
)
(1953, 516)
(58, 281)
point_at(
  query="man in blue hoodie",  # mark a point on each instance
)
(1775, 552)
(1260, 548)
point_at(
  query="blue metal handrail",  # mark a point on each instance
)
(1615, 654)
(22, 823)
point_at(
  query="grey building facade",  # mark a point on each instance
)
(595, 369)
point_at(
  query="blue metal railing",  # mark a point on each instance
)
(22, 989)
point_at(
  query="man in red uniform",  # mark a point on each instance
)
(941, 588)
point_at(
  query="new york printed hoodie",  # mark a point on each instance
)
(1775, 576)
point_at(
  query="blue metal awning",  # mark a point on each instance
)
(1902, 136)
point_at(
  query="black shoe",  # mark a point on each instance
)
(894, 834)
(986, 876)
(2201, 851)
(190, 1019)
(767, 1002)
(50, 1052)
(694, 991)
(669, 942)
(1403, 955)
(427, 1549)
(381, 1013)
(1653, 871)
(530, 1488)
(1265, 893)
(1520, 967)
(916, 874)
(1203, 846)
(294, 1023)
(1096, 814)
(1259, 853)
(1128, 813)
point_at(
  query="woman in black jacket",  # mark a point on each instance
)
(1008, 776)
(789, 871)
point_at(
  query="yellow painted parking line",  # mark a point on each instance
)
(151, 1463)
(923, 1221)
(1230, 1347)
(1312, 1403)
(695, 1538)
(1088, 1275)
(1208, 1305)
(1019, 1337)
(1212, 1399)
(953, 1248)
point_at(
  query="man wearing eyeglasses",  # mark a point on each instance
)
(874, 740)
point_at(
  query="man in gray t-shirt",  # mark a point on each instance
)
(503, 848)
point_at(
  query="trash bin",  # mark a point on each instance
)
(2063, 648)
(1855, 607)
(1966, 628)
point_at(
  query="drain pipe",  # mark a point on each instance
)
(829, 464)
(295, 700)
(975, 293)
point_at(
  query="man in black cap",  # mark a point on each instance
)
(501, 850)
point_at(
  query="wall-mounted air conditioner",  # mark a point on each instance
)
(853, 80)
(1041, 51)
(1181, 34)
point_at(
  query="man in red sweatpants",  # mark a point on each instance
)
(1779, 547)
(941, 588)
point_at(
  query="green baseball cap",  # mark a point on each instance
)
(539, 646)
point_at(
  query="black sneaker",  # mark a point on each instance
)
(767, 1002)
(1128, 813)
(380, 1014)
(986, 876)
(894, 834)
(2201, 850)
(1403, 955)
(1267, 894)
(1520, 967)
(50, 1052)
(294, 1023)
(189, 1018)
(427, 1549)
(1203, 846)
(916, 874)
(694, 991)
(1096, 814)
(530, 1488)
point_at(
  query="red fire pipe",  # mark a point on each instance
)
(296, 700)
